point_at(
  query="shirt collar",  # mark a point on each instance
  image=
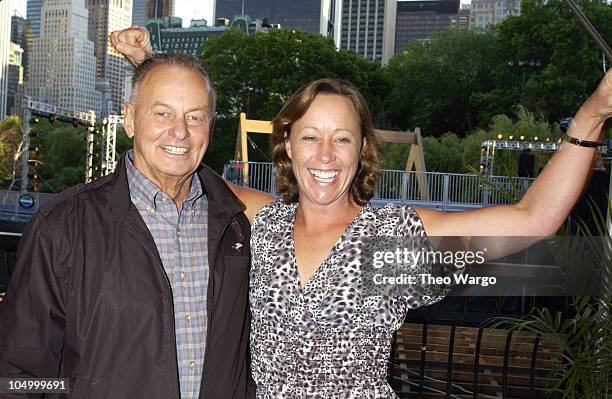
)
(144, 191)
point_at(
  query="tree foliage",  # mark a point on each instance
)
(547, 33)
(439, 85)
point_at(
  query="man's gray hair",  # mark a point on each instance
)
(178, 60)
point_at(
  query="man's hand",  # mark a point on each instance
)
(134, 43)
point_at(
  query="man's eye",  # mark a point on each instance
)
(194, 119)
(161, 114)
(309, 138)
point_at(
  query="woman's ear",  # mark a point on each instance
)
(287, 145)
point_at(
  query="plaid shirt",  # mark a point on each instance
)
(181, 238)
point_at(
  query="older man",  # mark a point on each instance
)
(136, 285)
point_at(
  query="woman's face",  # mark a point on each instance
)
(324, 146)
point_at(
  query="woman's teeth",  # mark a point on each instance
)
(324, 176)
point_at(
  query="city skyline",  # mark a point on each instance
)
(184, 9)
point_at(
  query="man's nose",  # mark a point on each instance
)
(180, 129)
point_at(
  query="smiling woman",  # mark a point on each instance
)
(351, 123)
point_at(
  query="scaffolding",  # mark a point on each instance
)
(36, 108)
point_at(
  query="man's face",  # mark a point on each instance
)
(170, 122)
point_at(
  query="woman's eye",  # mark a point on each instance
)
(343, 140)
(161, 114)
(309, 138)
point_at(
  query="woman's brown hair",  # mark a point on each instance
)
(362, 186)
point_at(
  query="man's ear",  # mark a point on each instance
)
(287, 145)
(128, 118)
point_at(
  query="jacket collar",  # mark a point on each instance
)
(220, 197)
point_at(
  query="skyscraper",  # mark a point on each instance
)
(106, 16)
(5, 42)
(160, 9)
(15, 77)
(33, 10)
(417, 20)
(62, 62)
(366, 27)
(21, 35)
(310, 15)
(139, 12)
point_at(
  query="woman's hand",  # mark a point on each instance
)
(134, 43)
(592, 115)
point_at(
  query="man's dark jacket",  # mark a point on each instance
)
(90, 301)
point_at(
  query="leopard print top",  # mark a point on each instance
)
(327, 340)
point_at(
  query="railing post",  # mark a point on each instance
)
(445, 198)
(405, 182)
(486, 193)
(272, 181)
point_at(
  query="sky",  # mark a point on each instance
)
(185, 9)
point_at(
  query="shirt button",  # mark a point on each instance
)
(151, 211)
(187, 317)
(183, 274)
(192, 364)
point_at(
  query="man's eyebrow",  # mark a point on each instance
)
(202, 107)
(160, 104)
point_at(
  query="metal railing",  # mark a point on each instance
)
(445, 191)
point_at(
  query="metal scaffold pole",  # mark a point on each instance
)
(109, 131)
(25, 148)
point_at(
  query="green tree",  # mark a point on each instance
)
(10, 146)
(570, 63)
(438, 85)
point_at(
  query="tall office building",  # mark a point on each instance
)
(309, 15)
(139, 12)
(15, 78)
(62, 62)
(5, 43)
(33, 10)
(144, 10)
(366, 27)
(490, 12)
(160, 9)
(417, 20)
(106, 16)
(21, 35)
